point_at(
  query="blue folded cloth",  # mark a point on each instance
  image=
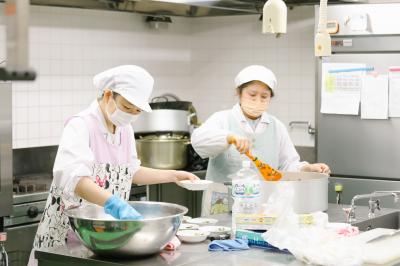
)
(228, 245)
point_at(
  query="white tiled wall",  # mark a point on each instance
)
(195, 58)
(68, 46)
(221, 47)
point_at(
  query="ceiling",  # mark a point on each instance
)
(187, 8)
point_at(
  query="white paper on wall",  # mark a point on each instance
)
(340, 91)
(375, 97)
(394, 92)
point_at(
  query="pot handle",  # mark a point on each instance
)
(189, 118)
(193, 119)
(155, 99)
(171, 95)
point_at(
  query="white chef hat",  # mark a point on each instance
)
(256, 72)
(132, 82)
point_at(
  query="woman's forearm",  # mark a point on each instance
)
(149, 176)
(88, 190)
(209, 142)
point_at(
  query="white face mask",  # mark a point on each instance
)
(253, 108)
(120, 118)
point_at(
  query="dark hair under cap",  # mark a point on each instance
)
(244, 85)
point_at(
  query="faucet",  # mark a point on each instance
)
(373, 204)
(395, 193)
(351, 212)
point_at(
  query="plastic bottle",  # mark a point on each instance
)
(3, 253)
(245, 192)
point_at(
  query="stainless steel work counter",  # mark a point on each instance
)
(188, 254)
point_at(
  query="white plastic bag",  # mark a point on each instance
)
(312, 244)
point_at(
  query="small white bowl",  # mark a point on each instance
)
(189, 227)
(192, 236)
(186, 218)
(202, 221)
(195, 185)
(215, 229)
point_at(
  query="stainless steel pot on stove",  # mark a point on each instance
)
(163, 120)
(166, 151)
(167, 116)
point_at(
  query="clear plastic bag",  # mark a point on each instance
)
(312, 244)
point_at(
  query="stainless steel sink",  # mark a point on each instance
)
(390, 220)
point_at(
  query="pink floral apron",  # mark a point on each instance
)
(111, 171)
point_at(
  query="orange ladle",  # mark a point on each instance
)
(267, 172)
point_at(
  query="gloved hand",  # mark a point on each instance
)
(120, 209)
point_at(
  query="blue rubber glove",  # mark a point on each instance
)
(120, 209)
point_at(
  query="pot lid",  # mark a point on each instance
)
(174, 105)
(164, 137)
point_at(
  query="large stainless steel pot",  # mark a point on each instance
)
(115, 238)
(310, 191)
(163, 120)
(163, 152)
(168, 116)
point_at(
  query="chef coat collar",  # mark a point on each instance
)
(96, 111)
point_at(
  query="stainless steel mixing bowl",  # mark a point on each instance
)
(106, 236)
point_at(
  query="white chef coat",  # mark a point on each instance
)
(75, 158)
(209, 139)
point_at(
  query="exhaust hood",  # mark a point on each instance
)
(186, 8)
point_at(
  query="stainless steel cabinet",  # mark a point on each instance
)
(5, 149)
(19, 243)
(174, 194)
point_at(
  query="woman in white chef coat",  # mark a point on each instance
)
(96, 161)
(253, 128)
